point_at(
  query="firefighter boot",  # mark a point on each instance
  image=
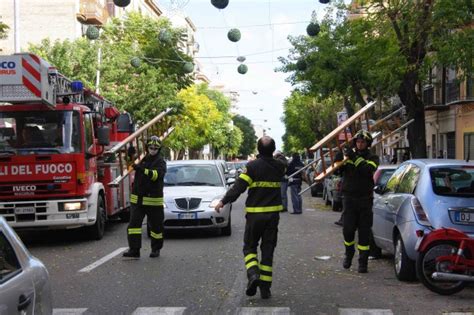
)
(132, 253)
(349, 254)
(265, 292)
(363, 261)
(155, 253)
(253, 282)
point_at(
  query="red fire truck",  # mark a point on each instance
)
(57, 169)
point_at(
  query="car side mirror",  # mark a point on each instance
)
(229, 181)
(379, 189)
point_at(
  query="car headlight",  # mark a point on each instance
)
(72, 206)
(214, 203)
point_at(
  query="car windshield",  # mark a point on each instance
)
(192, 175)
(31, 132)
(453, 180)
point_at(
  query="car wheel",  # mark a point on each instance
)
(227, 230)
(96, 231)
(405, 268)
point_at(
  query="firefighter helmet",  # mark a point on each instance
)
(154, 140)
(363, 134)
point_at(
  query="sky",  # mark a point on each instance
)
(265, 26)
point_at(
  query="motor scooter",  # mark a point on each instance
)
(445, 263)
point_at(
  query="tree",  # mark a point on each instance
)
(420, 26)
(249, 141)
(3, 30)
(143, 91)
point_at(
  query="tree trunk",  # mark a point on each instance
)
(415, 109)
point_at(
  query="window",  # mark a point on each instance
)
(451, 145)
(453, 180)
(409, 180)
(88, 132)
(469, 146)
(394, 181)
(9, 264)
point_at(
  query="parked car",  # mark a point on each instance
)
(422, 195)
(317, 189)
(236, 168)
(24, 281)
(332, 192)
(383, 173)
(192, 189)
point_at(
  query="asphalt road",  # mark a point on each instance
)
(203, 273)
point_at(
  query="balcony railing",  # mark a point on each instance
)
(92, 12)
(452, 92)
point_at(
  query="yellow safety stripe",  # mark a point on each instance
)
(266, 184)
(360, 247)
(251, 264)
(358, 161)
(157, 236)
(264, 209)
(349, 243)
(266, 268)
(152, 201)
(135, 231)
(246, 178)
(349, 161)
(146, 171)
(266, 278)
(133, 198)
(372, 163)
(250, 256)
(155, 175)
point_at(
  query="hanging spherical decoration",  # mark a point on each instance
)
(220, 4)
(92, 32)
(121, 3)
(188, 67)
(136, 62)
(233, 35)
(324, 1)
(312, 29)
(301, 65)
(241, 58)
(164, 36)
(242, 69)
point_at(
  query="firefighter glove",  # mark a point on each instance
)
(349, 152)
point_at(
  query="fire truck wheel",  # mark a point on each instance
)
(96, 231)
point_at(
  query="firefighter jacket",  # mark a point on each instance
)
(262, 177)
(358, 172)
(294, 166)
(148, 183)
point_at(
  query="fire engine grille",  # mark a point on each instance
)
(187, 203)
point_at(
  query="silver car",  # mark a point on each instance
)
(192, 189)
(419, 196)
(24, 280)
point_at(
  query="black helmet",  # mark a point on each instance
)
(154, 140)
(363, 134)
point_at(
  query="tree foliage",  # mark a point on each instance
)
(3, 30)
(249, 139)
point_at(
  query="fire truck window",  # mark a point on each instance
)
(89, 136)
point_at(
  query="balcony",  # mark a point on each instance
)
(92, 12)
(452, 92)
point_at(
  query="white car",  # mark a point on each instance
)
(24, 281)
(192, 188)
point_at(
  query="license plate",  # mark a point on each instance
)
(187, 216)
(24, 210)
(72, 215)
(464, 217)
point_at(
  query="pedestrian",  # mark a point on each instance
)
(147, 199)
(357, 190)
(295, 182)
(284, 184)
(262, 177)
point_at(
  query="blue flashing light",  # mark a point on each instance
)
(77, 86)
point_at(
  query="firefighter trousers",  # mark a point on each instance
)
(357, 217)
(260, 227)
(155, 217)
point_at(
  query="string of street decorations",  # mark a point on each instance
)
(234, 35)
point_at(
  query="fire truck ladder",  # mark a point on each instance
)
(332, 143)
(160, 125)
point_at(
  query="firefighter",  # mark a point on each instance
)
(147, 199)
(263, 205)
(357, 190)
